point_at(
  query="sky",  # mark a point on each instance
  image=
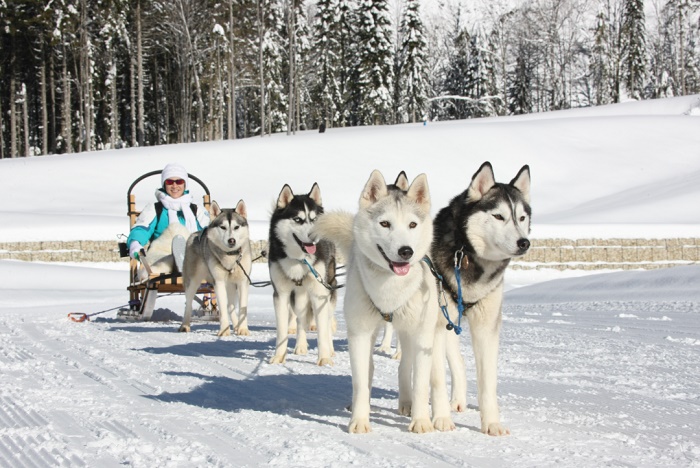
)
(595, 368)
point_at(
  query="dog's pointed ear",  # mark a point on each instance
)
(402, 181)
(522, 182)
(214, 209)
(315, 194)
(482, 181)
(285, 197)
(375, 188)
(419, 190)
(241, 209)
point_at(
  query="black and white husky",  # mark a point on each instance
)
(384, 245)
(476, 236)
(302, 272)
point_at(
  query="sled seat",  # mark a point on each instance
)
(143, 295)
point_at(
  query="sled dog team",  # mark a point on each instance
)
(418, 275)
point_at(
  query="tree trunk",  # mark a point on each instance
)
(681, 46)
(290, 99)
(84, 74)
(114, 104)
(2, 136)
(261, 33)
(139, 67)
(25, 115)
(67, 124)
(13, 110)
(44, 108)
(156, 102)
(232, 78)
(132, 106)
(52, 117)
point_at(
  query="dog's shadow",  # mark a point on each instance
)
(308, 397)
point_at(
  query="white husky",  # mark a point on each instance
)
(386, 280)
(221, 255)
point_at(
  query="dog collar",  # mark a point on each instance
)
(234, 252)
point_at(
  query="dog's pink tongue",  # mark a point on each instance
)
(400, 269)
(310, 248)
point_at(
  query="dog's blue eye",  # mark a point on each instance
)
(498, 217)
(298, 220)
(385, 224)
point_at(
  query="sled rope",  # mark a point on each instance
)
(319, 279)
(83, 317)
(255, 284)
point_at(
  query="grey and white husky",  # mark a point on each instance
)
(384, 244)
(476, 236)
(302, 272)
(221, 255)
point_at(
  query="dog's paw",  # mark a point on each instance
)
(405, 408)
(313, 328)
(458, 405)
(184, 329)
(301, 349)
(384, 349)
(278, 359)
(396, 356)
(292, 331)
(325, 362)
(444, 424)
(359, 426)
(242, 331)
(421, 426)
(224, 332)
(495, 429)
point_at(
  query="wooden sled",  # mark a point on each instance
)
(143, 295)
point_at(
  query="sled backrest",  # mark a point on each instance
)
(131, 198)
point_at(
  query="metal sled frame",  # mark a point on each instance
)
(142, 296)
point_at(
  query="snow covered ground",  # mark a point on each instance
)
(595, 369)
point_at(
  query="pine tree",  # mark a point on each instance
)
(413, 80)
(275, 104)
(600, 60)
(302, 48)
(375, 62)
(456, 82)
(479, 70)
(520, 92)
(634, 58)
(326, 61)
(349, 59)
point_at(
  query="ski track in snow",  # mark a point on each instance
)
(580, 384)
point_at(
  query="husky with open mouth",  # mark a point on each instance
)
(384, 245)
(302, 272)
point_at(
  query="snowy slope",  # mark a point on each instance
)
(595, 370)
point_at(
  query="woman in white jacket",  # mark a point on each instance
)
(172, 215)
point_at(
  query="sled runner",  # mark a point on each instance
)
(143, 294)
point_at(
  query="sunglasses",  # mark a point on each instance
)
(175, 181)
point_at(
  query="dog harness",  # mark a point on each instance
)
(462, 307)
(313, 271)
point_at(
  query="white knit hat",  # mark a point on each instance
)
(174, 170)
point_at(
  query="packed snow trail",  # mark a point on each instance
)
(582, 382)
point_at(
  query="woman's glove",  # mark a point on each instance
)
(134, 249)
